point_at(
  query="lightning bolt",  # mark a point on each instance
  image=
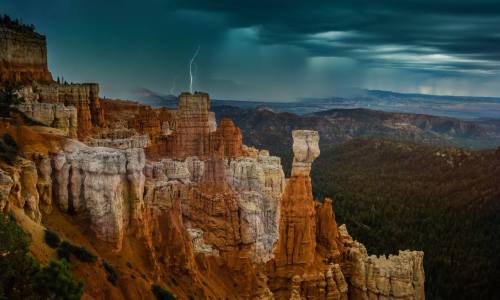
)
(191, 69)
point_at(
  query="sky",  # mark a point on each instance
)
(271, 50)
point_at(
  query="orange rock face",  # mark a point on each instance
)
(178, 134)
(23, 56)
(197, 210)
(297, 243)
(227, 140)
(327, 235)
(308, 243)
(192, 132)
(83, 97)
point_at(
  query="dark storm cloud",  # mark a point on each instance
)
(453, 35)
(272, 49)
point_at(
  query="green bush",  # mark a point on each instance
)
(10, 141)
(21, 276)
(161, 293)
(83, 254)
(55, 282)
(8, 97)
(8, 148)
(52, 239)
(112, 274)
(66, 249)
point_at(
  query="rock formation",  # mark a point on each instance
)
(184, 197)
(394, 277)
(305, 150)
(298, 269)
(5, 186)
(258, 183)
(84, 97)
(23, 55)
(227, 140)
(230, 205)
(23, 59)
(192, 132)
(103, 182)
(18, 186)
(55, 115)
(137, 141)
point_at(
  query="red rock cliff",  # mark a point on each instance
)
(23, 55)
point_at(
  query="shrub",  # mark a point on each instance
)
(9, 96)
(83, 254)
(8, 148)
(52, 239)
(112, 274)
(21, 277)
(173, 280)
(66, 249)
(55, 282)
(161, 293)
(10, 141)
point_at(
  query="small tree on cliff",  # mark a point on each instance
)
(21, 277)
(55, 282)
(9, 96)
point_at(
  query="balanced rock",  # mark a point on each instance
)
(305, 151)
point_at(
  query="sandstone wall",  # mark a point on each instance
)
(23, 56)
(138, 141)
(102, 182)
(84, 97)
(55, 115)
(192, 132)
(258, 183)
(394, 277)
(228, 208)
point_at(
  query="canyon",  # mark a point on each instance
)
(177, 193)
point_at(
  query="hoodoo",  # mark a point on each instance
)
(171, 197)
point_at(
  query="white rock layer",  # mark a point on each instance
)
(258, 183)
(305, 150)
(105, 183)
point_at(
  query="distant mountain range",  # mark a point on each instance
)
(461, 107)
(268, 125)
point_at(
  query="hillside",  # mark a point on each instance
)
(395, 195)
(265, 128)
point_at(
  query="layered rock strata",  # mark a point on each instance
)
(394, 277)
(23, 55)
(6, 183)
(55, 115)
(18, 187)
(192, 132)
(258, 183)
(102, 182)
(210, 203)
(298, 270)
(84, 97)
(138, 141)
